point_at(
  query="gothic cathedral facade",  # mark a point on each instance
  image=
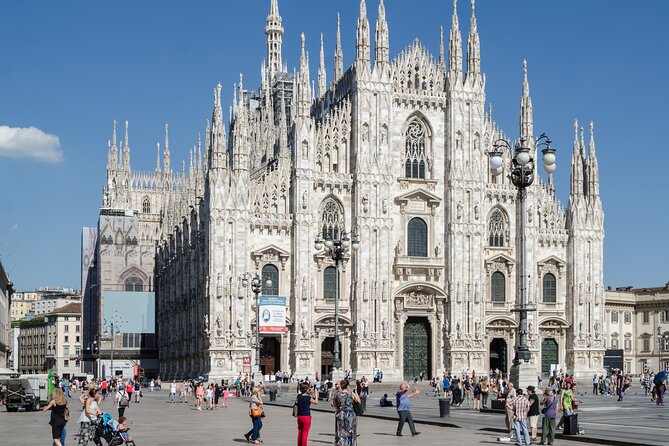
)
(396, 152)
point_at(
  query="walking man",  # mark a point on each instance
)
(404, 409)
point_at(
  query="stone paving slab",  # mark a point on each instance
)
(156, 422)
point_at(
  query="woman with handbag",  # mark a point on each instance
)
(302, 411)
(346, 421)
(256, 412)
(60, 415)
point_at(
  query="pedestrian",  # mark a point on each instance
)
(659, 389)
(226, 395)
(152, 384)
(122, 400)
(346, 421)
(404, 409)
(477, 394)
(550, 403)
(304, 400)
(507, 397)
(60, 415)
(88, 420)
(210, 397)
(533, 414)
(217, 394)
(138, 391)
(566, 400)
(130, 388)
(173, 390)
(484, 392)
(256, 413)
(521, 407)
(103, 388)
(199, 395)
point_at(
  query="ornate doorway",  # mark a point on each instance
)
(498, 352)
(549, 355)
(270, 355)
(327, 357)
(417, 348)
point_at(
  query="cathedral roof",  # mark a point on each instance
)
(416, 70)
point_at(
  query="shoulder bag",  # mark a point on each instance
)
(295, 408)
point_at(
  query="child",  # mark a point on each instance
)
(123, 429)
(226, 395)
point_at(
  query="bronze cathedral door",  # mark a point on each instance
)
(417, 348)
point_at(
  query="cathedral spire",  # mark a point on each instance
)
(382, 58)
(126, 149)
(473, 46)
(339, 55)
(274, 33)
(217, 147)
(112, 151)
(362, 57)
(442, 58)
(577, 161)
(303, 84)
(284, 150)
(322, 77)
(455, 44)
(593, 165)
(526, 119)
(166, 152)
(157, 159)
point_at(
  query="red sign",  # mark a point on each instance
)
(247, 364)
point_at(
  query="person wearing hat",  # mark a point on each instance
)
(533, 414)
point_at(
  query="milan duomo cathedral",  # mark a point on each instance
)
(395, 152)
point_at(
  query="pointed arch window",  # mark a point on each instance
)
(498, 287)
(270, 272)
(330, 279)
(417, 238)
(332, 220)
(146, 205)
(496, 229)
(415, 156)
(549, 288)
(134, 283)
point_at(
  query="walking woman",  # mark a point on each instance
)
(346, 421)
(304, 400)
(566, 401)
(484, 391)
(199, 395)
(60, 415)
(88, 419)
(256, 413)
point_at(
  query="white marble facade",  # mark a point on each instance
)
(436, 276)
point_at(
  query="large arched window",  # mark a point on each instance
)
(550, 289)
(417, 238)
(415, 155)
(134, 283)
(330, 283)
(270, 272)
(332, 220)
(498, 287)
(146, 205)
(496, 228)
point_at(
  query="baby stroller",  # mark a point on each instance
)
(108, 430)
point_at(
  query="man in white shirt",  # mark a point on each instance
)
(173, 390)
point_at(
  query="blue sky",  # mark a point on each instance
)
(70, 68)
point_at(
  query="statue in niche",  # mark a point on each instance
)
(206, 324)
(580, 330)
(384, 328)
(598, 328)
(459, 209)
(303, 327)
(304, 199)
(530, 214)
(477, 329)
(437, 249)
(384, 205)
(398, 248)
(219, 326)
(365, 328)
(476, 210)
(240, 328)
(365, 203)
(447, 326)
(458, 333)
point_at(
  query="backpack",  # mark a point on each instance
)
(124, 401)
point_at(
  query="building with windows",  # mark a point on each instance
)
(637, 328)
(51, 342)
(395, 151)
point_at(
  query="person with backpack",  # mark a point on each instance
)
(122, 400)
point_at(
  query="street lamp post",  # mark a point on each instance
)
(336, 248)
(256, 287)
(522, 176)
(661, 341)
(111, 328)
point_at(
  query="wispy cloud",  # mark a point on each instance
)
(30, 142)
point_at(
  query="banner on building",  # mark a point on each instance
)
(272, 310)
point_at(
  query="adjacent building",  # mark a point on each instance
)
(637, 329)
(52, 342)
(6, 291)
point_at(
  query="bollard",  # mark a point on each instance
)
(444, 407)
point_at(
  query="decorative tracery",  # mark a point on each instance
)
(415, 156)
(496, 228)
(332, 220)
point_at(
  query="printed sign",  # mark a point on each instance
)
(272, 310)
(247, 364)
